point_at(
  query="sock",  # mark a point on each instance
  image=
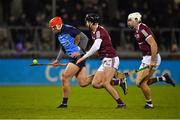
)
(65, 100)
(149, 101)
(115, 82)
(162, 78)
(153, 80)
(119, 101)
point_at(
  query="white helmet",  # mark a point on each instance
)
(135, 16)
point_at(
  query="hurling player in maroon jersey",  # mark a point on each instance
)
(110, 61)
(151, 57)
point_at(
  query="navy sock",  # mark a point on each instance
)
(149, 102)
(114, 82)
(65, 100)
(160, 79)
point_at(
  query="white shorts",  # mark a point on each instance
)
(109, 62)
(147, 60)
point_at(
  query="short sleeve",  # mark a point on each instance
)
(98, 35)
(72, 30)
(146, 31)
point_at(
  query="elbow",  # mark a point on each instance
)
(154, 49)
(96, 48)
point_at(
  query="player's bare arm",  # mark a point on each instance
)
(58, 58)
(77, 39)
(153, 45)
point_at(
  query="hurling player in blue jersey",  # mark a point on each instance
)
(73, 43)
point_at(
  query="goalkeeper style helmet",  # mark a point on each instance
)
(92, 17)
(55, 21)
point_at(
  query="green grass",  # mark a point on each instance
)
(41, 102)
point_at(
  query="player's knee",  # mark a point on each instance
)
(64, 76)
(95, 85)
(81, 84)
(64, 81)
(106, 83)
(137, 83)
(142, 84)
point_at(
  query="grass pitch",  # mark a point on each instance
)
(86, 103)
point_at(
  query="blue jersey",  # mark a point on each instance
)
(67, 39)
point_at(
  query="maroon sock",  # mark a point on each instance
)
(119, 101)
(115, 82)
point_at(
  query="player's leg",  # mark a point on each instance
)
(121, 82)
(164, 78)
(106, 73)
(98, 79)
(66, 76)
(144, 76)
(109, 73)
(115, 80)
(82, 78)
(141, 81)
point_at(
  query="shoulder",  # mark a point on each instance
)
(102, 30)
(70, 30)
(99, 32)
(143, 26)
(68, 27)
(144, 29)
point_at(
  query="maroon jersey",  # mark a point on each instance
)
(106, 48)
(141, 35)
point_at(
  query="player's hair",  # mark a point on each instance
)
(92, 17)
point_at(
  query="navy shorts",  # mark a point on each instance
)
(81, 64)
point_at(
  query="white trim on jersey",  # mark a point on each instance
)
(148, 37)
(98, 35)
(144, 33)
(95, 47)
